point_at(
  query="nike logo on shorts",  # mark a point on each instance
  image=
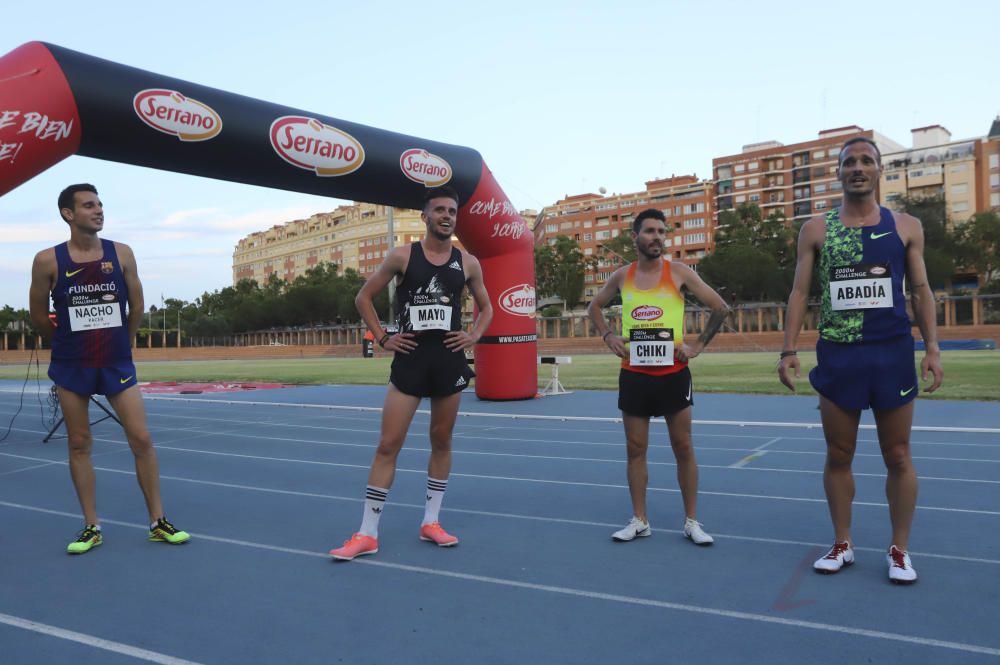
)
(904, 393)
(876, 236)
(688, 397)
(125, 380)
(70, 274)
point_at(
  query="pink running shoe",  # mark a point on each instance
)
(435, 534)
(358, 545)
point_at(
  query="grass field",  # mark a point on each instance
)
(968, 374)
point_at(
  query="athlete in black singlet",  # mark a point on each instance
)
(429, 360)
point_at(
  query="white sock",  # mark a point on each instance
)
(374, 501)
(435, 494)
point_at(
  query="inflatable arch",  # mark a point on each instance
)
(55, 102)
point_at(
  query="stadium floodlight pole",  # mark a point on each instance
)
(55, 103)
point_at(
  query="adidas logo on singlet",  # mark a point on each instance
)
(461, 381)
(454, 264)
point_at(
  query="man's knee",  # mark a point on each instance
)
(897, 456)
(839, 456)
(140, 442)
(80, 442)
(683, 448)
(635, 449)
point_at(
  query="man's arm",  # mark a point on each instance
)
(458, 340)
(43, 278)
(136, 302)
(922, 299)
(684, 277)
(596, 313)
(810, 239)
(394, 264)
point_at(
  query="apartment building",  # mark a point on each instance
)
(352, 236)
(988, 169)
(797, 180)
(594, 219)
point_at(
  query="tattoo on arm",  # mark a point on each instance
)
(714, 324)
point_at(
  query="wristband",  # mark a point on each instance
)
(383, 339)
(604, 337)
(785, 354)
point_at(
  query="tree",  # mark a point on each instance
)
(618, 251)
(940, 244)
(754, 256)
(979, 244)
(559, 270)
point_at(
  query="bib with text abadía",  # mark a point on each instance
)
(430, 312)
(94, 306)
(651, 346)
(865, 286)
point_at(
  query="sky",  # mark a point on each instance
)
(560, 98)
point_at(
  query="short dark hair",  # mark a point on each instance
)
(440, 192)
(648, 213)
(858, 139)
(67, 197)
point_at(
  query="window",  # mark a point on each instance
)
(960, 207)
(995, 180)
(959, 189)
(959, 168)
(752, 166)
(551, 228)
(696, 223)
(754, 198)
(587, 223)
(603, 221)
(741, 198)
(892, 177)
(603, 235)
(587, 237)
(565, 226)
(754, 182)
(819, 189)
(740, 184)
(819, 154)
(694, 239)
(820, 205)
(995, 161)
(588, 251)
(995, 200)
(740, 168)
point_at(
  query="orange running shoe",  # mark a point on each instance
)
(357, 545)
(434, 533)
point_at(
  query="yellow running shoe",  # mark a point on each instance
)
(88, 539)
(164, 531)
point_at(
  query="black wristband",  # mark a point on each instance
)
(785, 354)
(604, 337)
(383, 339)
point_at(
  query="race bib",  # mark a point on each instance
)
(651, 346)
(865, 286)
(93, 316)
(428, 312)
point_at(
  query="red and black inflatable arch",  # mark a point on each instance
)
(55, 102)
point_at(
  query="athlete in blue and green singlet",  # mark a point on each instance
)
(861, 253)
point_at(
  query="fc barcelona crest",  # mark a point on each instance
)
(107, 267)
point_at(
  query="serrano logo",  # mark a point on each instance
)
(309, 144)
(170, 112)
(518, 300)
(877, 270)
(646, 313)
(107, 297)
(421, 166)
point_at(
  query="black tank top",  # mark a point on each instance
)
(429, 299)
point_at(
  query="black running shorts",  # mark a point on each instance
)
(654, 396)
(430, 370)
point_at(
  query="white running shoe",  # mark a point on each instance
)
(900, 569)
(635, 528)
(839, 556)
(694, 532)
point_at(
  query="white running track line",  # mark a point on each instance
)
(528, 416)
(577, 483)
(92, 641)
(596, 595)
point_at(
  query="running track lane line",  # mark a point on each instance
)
(597, 595)
(525, 416)
(92, 641)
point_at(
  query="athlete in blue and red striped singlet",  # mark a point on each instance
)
(97, 297)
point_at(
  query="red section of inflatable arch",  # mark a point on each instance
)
(41, 127)
(55, 102)
(491, 228)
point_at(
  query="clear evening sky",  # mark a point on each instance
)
(559, 97)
